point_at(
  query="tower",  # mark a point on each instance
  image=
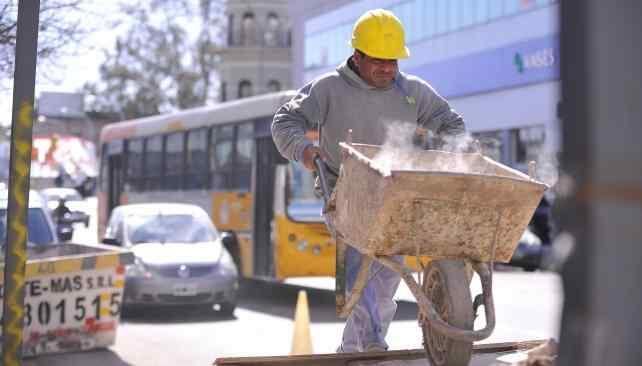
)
(257, 57)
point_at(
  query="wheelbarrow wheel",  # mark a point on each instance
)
(446, 285)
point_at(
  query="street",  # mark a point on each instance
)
(527, 305)
(235, 146)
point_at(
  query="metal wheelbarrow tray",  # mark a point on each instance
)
(459, 209)
(450, 205)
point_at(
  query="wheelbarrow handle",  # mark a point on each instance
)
(320, 168)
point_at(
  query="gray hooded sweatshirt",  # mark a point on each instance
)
(341, 100)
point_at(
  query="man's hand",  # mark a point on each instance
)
(309, 154)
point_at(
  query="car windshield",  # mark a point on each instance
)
(168, 228)
(303, 204)
(38, 229)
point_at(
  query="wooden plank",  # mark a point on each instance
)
(338, 359)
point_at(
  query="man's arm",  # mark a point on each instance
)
(290, 123)
(436, 115)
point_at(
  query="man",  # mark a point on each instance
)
(366, 93)
(61, 211)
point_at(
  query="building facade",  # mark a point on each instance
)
(64, 143)
(257, 56)
(496, 61)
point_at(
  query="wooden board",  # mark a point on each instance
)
(332, 359)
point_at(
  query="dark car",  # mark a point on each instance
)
(529, 252)
(536, 240)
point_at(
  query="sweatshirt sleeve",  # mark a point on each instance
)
(291, 121)
(436, 114)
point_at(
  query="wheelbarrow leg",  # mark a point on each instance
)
(357, 288)
(340, 277)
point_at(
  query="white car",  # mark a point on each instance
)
(180, 257)
(73, 200)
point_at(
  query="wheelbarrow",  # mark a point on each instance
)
(463, 211)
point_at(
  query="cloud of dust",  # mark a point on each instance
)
(458, 144)
(547, 168)
(399, 153)
(397, 150)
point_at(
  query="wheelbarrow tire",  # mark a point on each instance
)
(446, 285)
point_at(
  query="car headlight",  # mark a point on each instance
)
(138, 269)
(226, 262)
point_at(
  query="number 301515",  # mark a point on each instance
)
(64, 310)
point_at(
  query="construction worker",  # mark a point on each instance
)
(366, 93)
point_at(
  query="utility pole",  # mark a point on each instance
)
(601, 200)
(19, 173)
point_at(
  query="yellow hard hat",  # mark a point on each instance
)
(379, 33)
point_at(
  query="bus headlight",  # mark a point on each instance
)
(302, 245)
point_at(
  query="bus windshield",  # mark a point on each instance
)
(303, 204)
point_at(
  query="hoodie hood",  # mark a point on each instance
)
(355, 80)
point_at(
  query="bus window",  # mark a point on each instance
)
(222, 162)
(303, 204)
(153, 162)
(197, 163)
(173, 161)
(134, 176)
(244, 151)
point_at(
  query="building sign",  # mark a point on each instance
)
(518, 64)
(542, 58)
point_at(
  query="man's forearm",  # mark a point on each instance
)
(455, 126)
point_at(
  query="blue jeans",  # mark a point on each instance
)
(367, 325)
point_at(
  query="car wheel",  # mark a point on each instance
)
(227, 308)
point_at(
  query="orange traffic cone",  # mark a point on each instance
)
(301, 339)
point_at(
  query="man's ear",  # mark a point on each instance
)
(357, 57)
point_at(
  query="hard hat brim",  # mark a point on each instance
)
(400, 54)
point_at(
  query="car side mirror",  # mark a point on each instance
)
(111, 241)
(64, 232)
(228, 240)
(231, 244)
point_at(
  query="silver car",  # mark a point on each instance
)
(180, 258)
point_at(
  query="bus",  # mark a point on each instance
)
(222, 158)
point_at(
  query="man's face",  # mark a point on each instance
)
(377, 72)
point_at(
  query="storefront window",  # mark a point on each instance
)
(422, 19)
(491, 144)
(530, 141)
(482, 9)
